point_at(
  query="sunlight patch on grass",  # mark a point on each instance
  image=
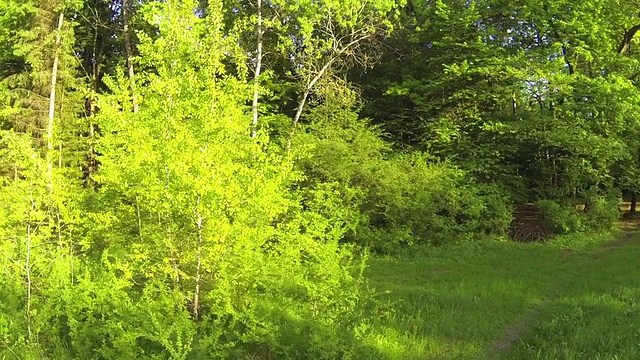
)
(394, 344)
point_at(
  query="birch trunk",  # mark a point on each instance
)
(196, 294)
(303, 100)
(129, 53)
(256, 80)
(27, 264)
(315, 79)
(52, 103)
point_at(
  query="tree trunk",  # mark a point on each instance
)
(52, 103)
(138, 219)
(566, 60)
(315, 79)
(27, 264)
(256, 80)
(196, 294)
(634, 202)
(95, 67)
(303, 100)
(129, 53)
(298, 115)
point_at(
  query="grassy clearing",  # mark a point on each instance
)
(597, 316)
(574, 298)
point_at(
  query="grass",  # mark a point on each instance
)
(576, 297)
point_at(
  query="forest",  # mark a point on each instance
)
(254, 179)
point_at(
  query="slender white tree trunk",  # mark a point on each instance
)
(138, 219)
(128, 50)
(303, 100)
(196, 295)
(52, 103)
(89, 103)
(27, 263)
(256, 80)
(319, 75)
(174, 257)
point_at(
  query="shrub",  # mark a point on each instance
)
(497, 214)
(561, 217)
(602, 212)
(415, 202)
(382, 201)
(386, 202)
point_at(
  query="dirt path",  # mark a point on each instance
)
(519, 327)
(514, 332)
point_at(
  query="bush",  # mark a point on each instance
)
(414, 202)
(562, 217)
(193, 245)
(385, 202)
(497, 214)
(603, 212)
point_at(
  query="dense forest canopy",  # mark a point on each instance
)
(205, 179)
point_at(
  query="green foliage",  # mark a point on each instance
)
(343, 157)
(205, 209)
(562, 218)
(516, 99)
(389, 201)
(601, 214)
(140, 220)
(415, 202)
(192, 245)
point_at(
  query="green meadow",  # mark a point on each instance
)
(575, 297)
